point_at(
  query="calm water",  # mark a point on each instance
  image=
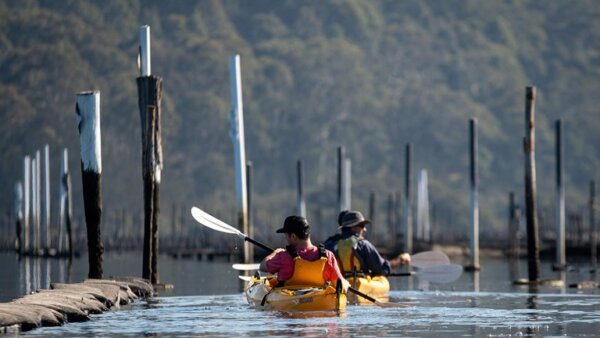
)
(206, 301)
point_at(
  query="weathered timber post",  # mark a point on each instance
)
(66, 212)
(340, 192)
(88, 122)
(34, 207)
(408, 229)
(38, 202)
(301, 200)
(149, 102)
(391, 220)
(250, 190)
(560, 201)
(19, 213)
(237, 136)
(512, 226)
(474, 194)
(372, 212)
(147, 173)
(593, 238)
(347, 192)
(533, 251)
(26, 202)
(423, 226)
(48, 243)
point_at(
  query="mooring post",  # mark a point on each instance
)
(560, 201)
(19, 213)
(408, 230)
(48, 243)
(593, 238)
(26, 202)
(423, 225)
(301, 200)
(149, 103)
(347, 191)
(88, 122)
(250, 190)
(237, 136)
(372, 212)
(340, 192)
(533, 258)
(473, 196)
(68, 204)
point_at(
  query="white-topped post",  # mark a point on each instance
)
(239, 151)
(145, 54)
(88, 122)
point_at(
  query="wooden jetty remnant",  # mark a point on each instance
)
(149, 102)
(407, 213)
(533, 250)
(301, 199)
(239, 150)
(19, 213)
(474, 195)
(560, 262)
(344, 177)
(46, 214)
(88, 123)
(26, 202)
(64, 303)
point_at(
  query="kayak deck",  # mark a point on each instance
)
(294, 298)
(377, 287)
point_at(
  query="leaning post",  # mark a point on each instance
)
(88, 122)
(237, 136)
(533, 251)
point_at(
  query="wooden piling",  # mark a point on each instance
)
(533, 258)
(408, 229)
(66, 211)
(47, 214)
(473, 196)
(250, 202)
(149, 103)
(26, 202)
(560, 201)
(347, 187)
(88, 121)
(301, 200)
(593, 237)
(19, 213)
(340, 176)
(238, 139)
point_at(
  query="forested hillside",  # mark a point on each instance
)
(369, 75)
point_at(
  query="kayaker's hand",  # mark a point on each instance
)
(401, 259)
(345, 285)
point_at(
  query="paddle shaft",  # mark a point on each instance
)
(401, 274)
(248, 239)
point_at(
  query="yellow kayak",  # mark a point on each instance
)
(377, 287)
(294, 298)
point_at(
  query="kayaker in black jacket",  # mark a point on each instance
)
(353, 251)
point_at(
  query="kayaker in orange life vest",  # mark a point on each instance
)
(353, 251)
(302, 263)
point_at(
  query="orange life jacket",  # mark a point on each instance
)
(306, 272)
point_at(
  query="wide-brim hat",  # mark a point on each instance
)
(353, 218)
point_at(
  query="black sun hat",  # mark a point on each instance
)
(294, 225)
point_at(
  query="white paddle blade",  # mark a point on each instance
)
(246, 267)
(201, 217)
(245, 278)
(429, 258)
(446, 273)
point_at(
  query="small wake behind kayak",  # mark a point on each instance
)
(295, 298)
